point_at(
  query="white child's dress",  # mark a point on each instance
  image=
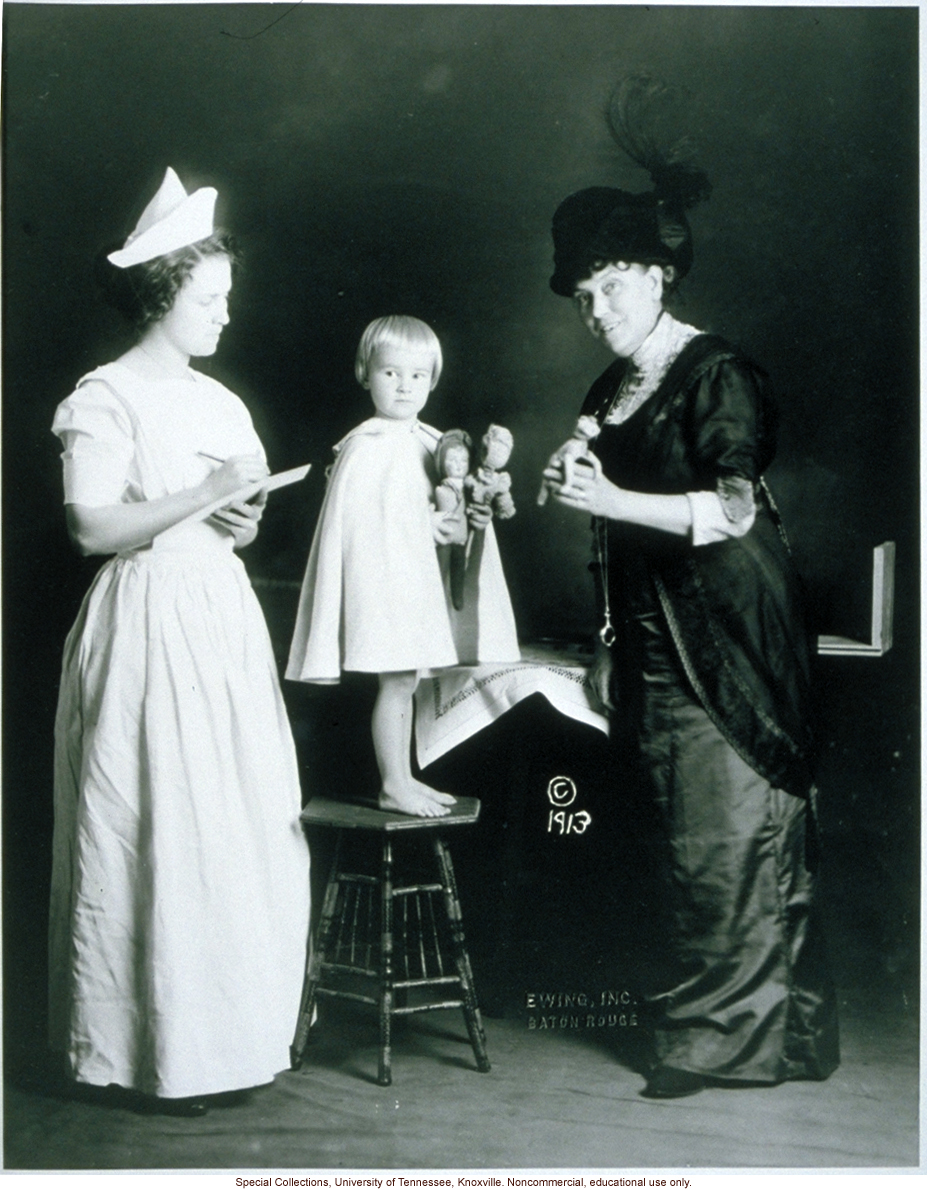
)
(373, 598)
(180, 890)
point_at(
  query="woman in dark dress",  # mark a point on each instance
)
(703, 649)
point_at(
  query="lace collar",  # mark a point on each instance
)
(648, 366)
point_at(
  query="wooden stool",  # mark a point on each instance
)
(370, 929)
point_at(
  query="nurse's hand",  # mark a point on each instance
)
(585, 488)
(241, 519)
(235, 473)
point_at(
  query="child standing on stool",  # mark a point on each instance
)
(373, 598)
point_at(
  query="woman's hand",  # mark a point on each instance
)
(584, 487)
(241, 519)
(235, 473)
(589, 491)
(600, 675)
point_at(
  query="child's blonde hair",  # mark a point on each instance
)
(397, 330)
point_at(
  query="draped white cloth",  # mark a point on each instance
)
(454, 704)
(180, 890)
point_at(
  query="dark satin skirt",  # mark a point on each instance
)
(744, 995)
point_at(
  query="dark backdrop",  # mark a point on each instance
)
(387, 159)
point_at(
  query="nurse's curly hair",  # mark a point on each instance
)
(145, 292)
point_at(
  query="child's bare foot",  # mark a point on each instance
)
(412, 800)
(443, 799)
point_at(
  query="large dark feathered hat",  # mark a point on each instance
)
(602, 224)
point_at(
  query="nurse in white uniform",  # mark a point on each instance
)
(180, 892)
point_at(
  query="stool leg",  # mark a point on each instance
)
(461, 958)
(317, 956)
(385, 1076)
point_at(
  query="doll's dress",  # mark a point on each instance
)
(180, 882)
(374, 598)
(449, 498)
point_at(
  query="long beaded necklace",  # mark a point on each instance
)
(636, 388)
(607, 632)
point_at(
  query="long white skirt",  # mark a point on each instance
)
(180, 883)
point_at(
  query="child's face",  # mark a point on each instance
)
(399, 379)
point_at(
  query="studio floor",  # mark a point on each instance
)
(552, 1099)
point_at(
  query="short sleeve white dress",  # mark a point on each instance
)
(374, 598)
(180, 890)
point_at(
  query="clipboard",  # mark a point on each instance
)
(270, 484)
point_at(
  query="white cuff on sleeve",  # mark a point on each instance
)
(710, 523)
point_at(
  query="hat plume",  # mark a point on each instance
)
(634, 116)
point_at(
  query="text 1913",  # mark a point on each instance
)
(561, 823)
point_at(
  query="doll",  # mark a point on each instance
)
(489, 485)
(575, 447)
(452, 459)
(487, 491)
